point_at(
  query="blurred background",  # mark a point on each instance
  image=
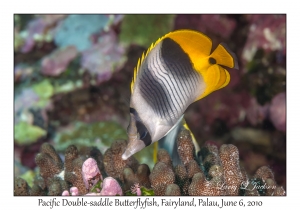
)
(72, 75)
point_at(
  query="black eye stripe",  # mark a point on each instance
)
(141, 128)
(134, 112)
(147, 139)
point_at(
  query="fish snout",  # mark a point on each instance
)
(134, 145)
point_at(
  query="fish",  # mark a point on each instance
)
(176, 71)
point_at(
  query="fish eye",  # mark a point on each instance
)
(212, 60)
(143, 135)
(141, 129)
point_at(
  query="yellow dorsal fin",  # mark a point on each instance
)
(140, 61)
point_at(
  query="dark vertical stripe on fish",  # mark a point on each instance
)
(168, 81)
(178, 85)
(183, 86)
(175, 86)
(166, 98)
(168, 87)
(178, 61)
(145, 91)
(159, 92)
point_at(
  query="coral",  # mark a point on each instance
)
(49, 162)
(212, 183)
(56, 186)
(141, 177)
(186, 149)
(201, 186)
(129, 179)
(229, 156)
(37, 191)
(218, 172)
(76, 30)
(57, 62)
(66, 66)
(26, 134)
(220, 25)
(145, 29)
(269, 33)
(136, 189)
(161, 176)
(256, 113)
(265, 177)
(74, 191)
(142, 174)
(39, 186)
(22, 72)
(264, 173)
(172, 190)
(217, 24)
(250, 189)
(91, 173)
(113, 162)
(73, 172)
(275, 112)
(44, 89)
(71, 154)
(210, 156)
(192, 168)
(21, 187)
(279, 191)
(85, 135)
(163, 156)
(216, 178)
(278, 111)
(65, 193)
(181, 179)
(110, 186)
(104, 57)
(57, 177)
(38, 30)
(25, 100)
(94, 153)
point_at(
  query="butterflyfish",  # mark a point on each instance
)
(177, 70)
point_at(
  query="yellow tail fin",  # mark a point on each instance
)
(223, 56)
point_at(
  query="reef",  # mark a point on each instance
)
(65, 67)
(212, 172)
